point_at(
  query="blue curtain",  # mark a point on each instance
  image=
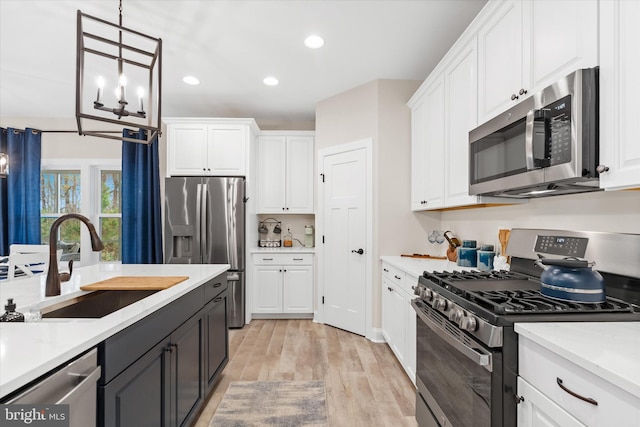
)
(20, 190)
(141, 220)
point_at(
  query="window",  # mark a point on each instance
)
(81, 186)
(60, 193)
(110, 215)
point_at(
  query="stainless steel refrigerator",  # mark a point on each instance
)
(205, 224)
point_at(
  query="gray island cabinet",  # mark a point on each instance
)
(158, 371)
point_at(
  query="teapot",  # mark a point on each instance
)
(571, 279)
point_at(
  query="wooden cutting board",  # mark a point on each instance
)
(426, 256)
(135, 283)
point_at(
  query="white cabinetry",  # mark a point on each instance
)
(216, 147)
(285, 172)
(461, 116)
(282, 283)
(427, 146)
(537, 410)
(398, 317)
(619, 86)
(526, 45)
(552, 387)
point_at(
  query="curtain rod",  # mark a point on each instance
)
(63, 131)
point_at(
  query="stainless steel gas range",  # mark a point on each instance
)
(467, 350)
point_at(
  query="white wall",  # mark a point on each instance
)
(66, 145)
(616, 211)
(378, 110)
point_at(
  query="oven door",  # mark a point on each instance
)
(459, 380)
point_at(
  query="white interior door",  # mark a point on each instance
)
(346, 225)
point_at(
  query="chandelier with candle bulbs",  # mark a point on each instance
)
(111, 56)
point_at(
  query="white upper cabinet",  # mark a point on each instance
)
(461, 116)
(213, 147)
(435, 144)
(419, 122)
(619, 87)
(285, 172)
(528, 44)
(427, 146)
(501, 69)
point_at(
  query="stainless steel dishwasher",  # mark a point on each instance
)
(74, 384)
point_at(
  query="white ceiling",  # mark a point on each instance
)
(231, 46)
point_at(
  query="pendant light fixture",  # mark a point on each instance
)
(110, 60)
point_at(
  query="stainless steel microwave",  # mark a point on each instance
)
(546, 145)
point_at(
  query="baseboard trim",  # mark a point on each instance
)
(376, 336)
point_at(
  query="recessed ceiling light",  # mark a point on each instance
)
(314, 42)
(270, 81)
(190, 80)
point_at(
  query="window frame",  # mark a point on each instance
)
(90, 170)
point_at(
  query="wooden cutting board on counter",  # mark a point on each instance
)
(426, 256)
(135, 283)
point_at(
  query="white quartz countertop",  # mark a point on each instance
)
(29, 350)
(417, 266)
(610, 350)
(283, 250)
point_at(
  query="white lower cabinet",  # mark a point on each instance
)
(536, 409)
(398, 317)
(283, 283)
(554, 391)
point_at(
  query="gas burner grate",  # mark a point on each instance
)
(525, 298)
(528, 302)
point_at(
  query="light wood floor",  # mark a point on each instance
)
(365, 384)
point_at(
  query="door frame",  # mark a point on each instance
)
(367, 145)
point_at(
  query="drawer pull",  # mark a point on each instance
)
(518, 399)
(574, 394)
(217, 285)
(298, 259)
(385, 270)
(217, 299)
(397, 277)
(267, 259)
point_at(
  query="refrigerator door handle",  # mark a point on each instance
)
(199, 216)
(203, 223)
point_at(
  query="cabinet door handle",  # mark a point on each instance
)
(285, 270)
(267, 259)
(217, 285)
(522, 91)
(514, 97)
(217, 299)
(359, 251)
(574, 394)
(518, 399)
(397, 277)
(385, 270)
(298, 259)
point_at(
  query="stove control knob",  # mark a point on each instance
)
(468, 323)
(440, 304)
(456, 315)
(416, 290)
(427, 294)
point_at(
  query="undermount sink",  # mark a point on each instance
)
(94, 305)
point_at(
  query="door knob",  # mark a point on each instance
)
(359, 251)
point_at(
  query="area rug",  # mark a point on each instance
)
(272, 403)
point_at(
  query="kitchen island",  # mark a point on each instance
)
(30, 350)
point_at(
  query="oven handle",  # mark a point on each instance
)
(481, 359)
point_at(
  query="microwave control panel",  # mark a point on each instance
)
(562, 245)
(559, 131)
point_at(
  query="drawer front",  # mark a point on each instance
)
(283, 259)
(543, 369)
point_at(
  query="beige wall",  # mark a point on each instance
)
(378, 110)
